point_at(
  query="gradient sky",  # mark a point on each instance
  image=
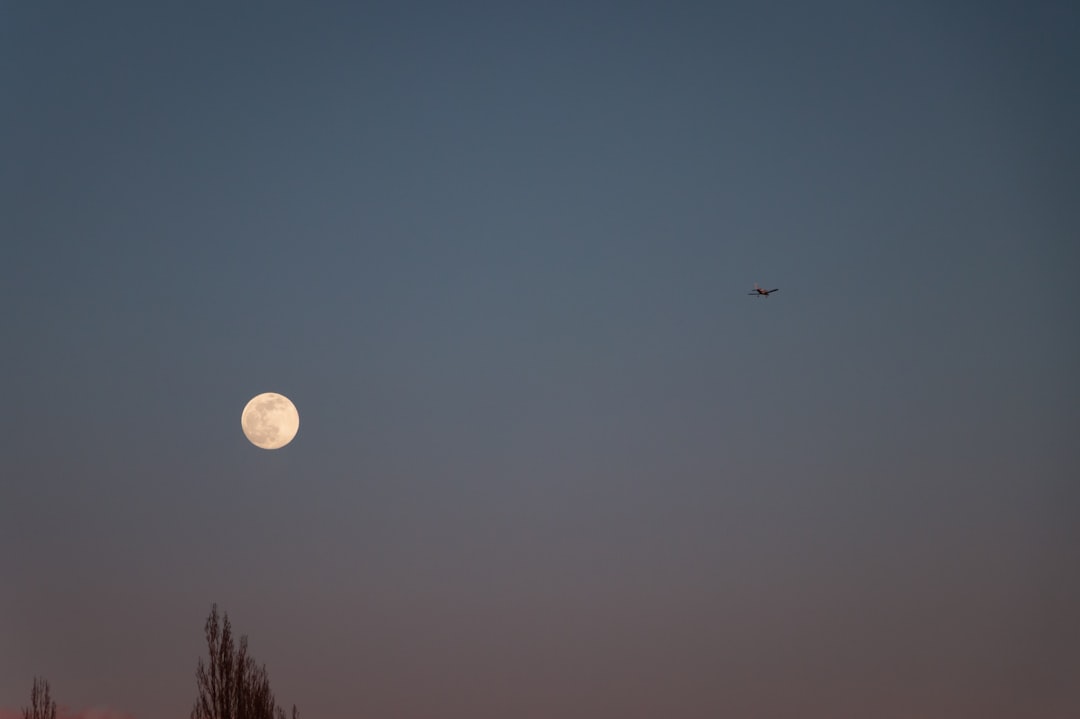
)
(553, 461)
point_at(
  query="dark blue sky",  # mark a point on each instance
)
(553, 460)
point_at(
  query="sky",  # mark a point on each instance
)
(553, 461)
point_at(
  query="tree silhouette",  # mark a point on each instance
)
(41, 704)
(232, 686)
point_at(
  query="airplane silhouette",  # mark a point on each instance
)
(760, 292)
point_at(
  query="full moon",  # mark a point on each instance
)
(270, 420)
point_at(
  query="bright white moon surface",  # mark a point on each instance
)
(270, 420)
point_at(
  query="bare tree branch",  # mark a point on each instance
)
(41, 704)
(232, 686)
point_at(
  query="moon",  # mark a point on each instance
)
(270, 420)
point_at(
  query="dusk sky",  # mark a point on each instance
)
(553, 462)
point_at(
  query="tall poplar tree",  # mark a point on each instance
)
(231, 685)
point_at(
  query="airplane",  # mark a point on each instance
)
(760, 292)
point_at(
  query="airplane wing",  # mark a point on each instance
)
(776, 290)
